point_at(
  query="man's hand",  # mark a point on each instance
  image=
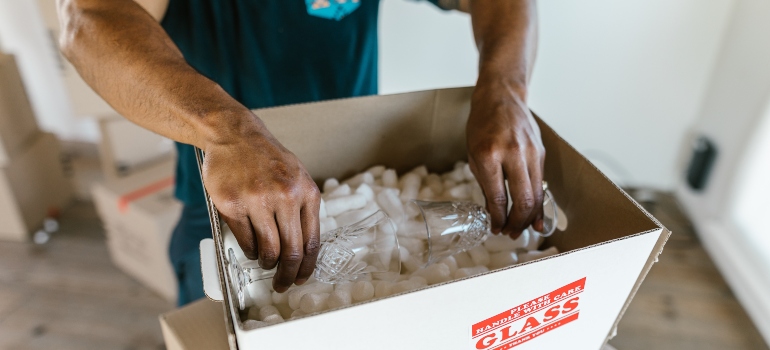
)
(269, 201)
(504, 144)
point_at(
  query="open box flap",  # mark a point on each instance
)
(339, 138)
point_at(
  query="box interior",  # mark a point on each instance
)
(391, 130)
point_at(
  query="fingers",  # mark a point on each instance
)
(522, 196)
(266, 236)
(312, 241)
(292, 247)
(536, 180)
(243, 232)
(490, 177)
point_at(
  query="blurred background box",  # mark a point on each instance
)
(127, 148)
(32, 187)
(139, 212)
(18, 126)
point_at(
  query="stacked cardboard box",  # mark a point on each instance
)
(139, 213)
(32, 182)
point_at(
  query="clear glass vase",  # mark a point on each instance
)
(366, 249)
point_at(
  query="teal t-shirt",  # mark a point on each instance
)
(274, 52)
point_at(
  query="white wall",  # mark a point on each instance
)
(23, 33)
(620, 80)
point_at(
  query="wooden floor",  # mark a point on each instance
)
(684, 303)
(67, 295)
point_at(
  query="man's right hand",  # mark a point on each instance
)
(269, 201)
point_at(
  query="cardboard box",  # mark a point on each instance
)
(18, 127)
(139, 214)
(32, 187)
(607, 249)
(127, 148)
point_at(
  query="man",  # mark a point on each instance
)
(194, 77)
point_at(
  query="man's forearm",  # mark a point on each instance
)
(506, 37)
(127, 57)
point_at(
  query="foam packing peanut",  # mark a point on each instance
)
(405, 286)
(339, 191)
(502, 259)
(434, 182)
(367, 191)
(468, 174)
(328, 224)
(339, 298)
(537, 254)
(338, 205)
(435, 273)
(426, 194)
(266, 311)
(451, 263)
(463, 260)
(388, 200)
(280, 298)
(330, 184)
(376, 171)
(461, 191)
(273, 319)
(410, 186)
(362, 178)
(389, 178)
(297, 313)
(253, 324)
(353, 216)
(296, 293)
(314, 302)
(421, 170)
(469, 271)
(479, 255)
(535, 240)
(502, 243)
(383, 289)
(362, 290)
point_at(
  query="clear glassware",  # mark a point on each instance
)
(368, 248)
(453, 227)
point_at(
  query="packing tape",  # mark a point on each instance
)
(142, 192)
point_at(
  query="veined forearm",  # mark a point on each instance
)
(126, 56)
(506, 36)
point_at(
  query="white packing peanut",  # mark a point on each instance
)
(403, 254)
(362, 178)
(362, 290)
(461, 191)
(367, 191)
(268, 310)
(339, 191)
(353, 216)
(285, 310)
(421, 170)
(383, 289)
(458, 165)
(479, 255)
(253, 324)
(415, 246)
(376, 170)
(339, 298)
(260, 294)
(330, 185)
(338, 205)
(388, 200)
(537, 254)
(435, 273)
(502, 243)
(280, 298)
(457, 175)
(534, 239)
(469, 271)
(413, 229)
(426, 194)
(273, 319)
(253, 313)
(463, 260)
(404, 286)
(410, 186)
(297, 313)
(314, 302)
(296, 293)
(322, 211)
(419, 280)
(448, 183)
(412, 264)
(468, 173)
(343, 287)
(389, 178)
(328, 224)
(502, 259)
(450, 262)
(434, 182)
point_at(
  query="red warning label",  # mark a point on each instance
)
(529, 320)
